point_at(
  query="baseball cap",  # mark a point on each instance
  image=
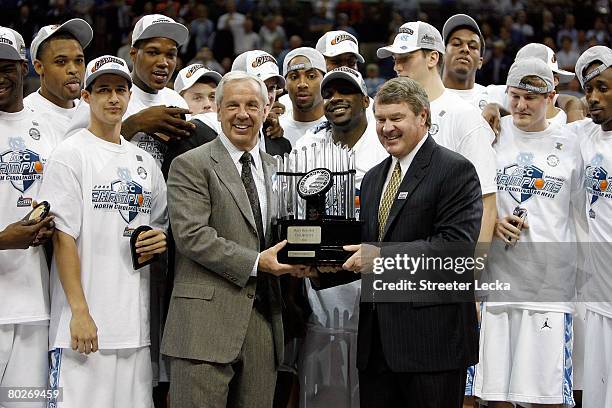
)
(12, 46)
(79, 28)
(106, 64)
(157, 25)
(413, 36)
(348, 74)
(462, 21)
(531, 67)
(598, 53)
(546, 54)
(315, 57)
(190, 74)
(259, 63)
(334, 43)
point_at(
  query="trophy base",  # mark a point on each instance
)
(316, 242)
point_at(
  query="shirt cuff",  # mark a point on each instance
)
(254, 271)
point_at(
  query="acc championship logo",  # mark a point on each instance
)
(4, 40)
(104, 61)
(405, 30)
(342, 37)
(193, 69)
(597, 180)
(20, 165)
(524, 179)
(262, 59)
(123, 195)
(154, 147)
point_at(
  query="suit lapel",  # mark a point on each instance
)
(228, 175)
(413, 177)
(268, 170)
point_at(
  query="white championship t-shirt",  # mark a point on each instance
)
(596, 148)
(541, 172)
(26, 142)
(477, 96)
(139, 100)
(294, 129)
(460, 127)
(57, 117)
(103, 191)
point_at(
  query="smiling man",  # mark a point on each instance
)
(26, 142)
(224, 330)
(303, 69)
(57, 55)
(104, 187)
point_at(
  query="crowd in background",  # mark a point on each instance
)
(222, 29)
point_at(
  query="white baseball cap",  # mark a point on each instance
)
(106, 64)
(348, 74)
(315, 57)
(598, 53)
(334, 43)
(413, 36)
(189, 75)
(531, 67)
(79, 28)
(259, 63)
(459, 21)
(546, 54)
(158, 25)
(12, 46)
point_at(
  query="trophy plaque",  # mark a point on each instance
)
(315, 204)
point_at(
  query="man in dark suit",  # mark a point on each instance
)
(421, 198)
(224, 330)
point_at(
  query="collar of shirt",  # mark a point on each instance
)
(406, 161)
(236, 153)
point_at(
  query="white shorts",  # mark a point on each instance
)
(598, 358)
(23, 359)
(525, 357)
(105, 379)
(579, 342)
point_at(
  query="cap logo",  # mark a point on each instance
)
(428, 39)
(104, 61)
(161, 20)
(345, 69)
(342, 37)
(5, 40)
(193, 69)
(404, 37)
(594, 73)
(532, 88)
(262, 59)
(405, 30)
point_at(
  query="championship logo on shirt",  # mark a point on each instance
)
(155, 148)
(20, 165)
(523, 180)
(596, 180)
(124, 195)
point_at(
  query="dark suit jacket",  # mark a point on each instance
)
(216, 248)
(443, 205)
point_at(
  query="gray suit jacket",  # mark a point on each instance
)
(216, 248)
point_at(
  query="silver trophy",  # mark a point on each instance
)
(315, 209)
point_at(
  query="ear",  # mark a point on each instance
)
(133, 52)
(38, 67)
(85, 95)
(432, 59)
(366, 101)
(24, 68)
(480, 60)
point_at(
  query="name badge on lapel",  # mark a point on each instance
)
(403, 195)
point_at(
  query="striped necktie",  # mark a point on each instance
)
(388, 198)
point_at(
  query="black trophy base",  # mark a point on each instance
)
(316, 242)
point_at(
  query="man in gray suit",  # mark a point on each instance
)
(224, 328)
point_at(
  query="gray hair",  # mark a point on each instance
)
(404, 89)
(241, 76)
